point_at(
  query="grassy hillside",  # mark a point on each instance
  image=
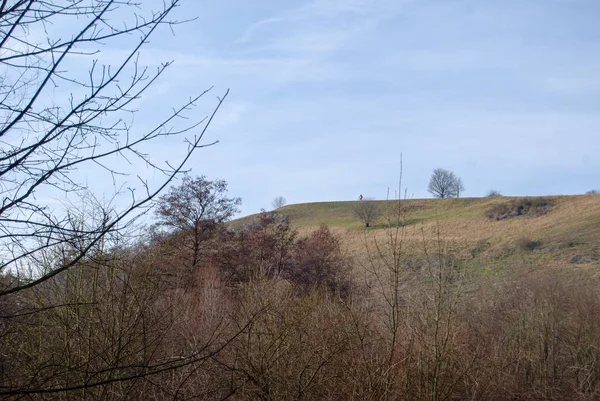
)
(341, 214)
(568, 234)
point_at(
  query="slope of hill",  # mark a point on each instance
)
(569, 233)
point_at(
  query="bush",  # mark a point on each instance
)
(520, 207)
(367, 210)
(319, 263)
(493, 194)
(261, 248)
(268, 247)
(527, 244)
(593, 192)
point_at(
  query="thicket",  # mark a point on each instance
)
(201, 311)
(269, 315)
(520, 207)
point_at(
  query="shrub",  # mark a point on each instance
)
(493, 194)
(367, 210)
(318, 262)
(268, 247)
(261, 248)
(520, 207)
(527, 244)
(593, 192)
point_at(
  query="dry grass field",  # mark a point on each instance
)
(568, 234)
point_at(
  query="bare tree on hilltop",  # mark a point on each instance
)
(458, 187)
(278, 202)
(445, 184)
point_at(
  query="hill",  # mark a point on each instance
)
(567, 234)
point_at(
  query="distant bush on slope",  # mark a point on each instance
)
(493, 193)
(520, 207)
(269, 247)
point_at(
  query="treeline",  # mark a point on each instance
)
(260, 312)
(198, 310)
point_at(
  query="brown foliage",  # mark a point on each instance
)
(268, 247)
(263, 320)
(318, 262)
(261, 248)
(530, 335)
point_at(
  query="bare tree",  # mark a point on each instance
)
(445, 184)
(46, 139)
(195, 207)
(493, 194)
(366, 210)
(66, 109)
(458, 187)
(278, 202)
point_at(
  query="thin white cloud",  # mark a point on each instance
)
(257, 26)
(321, 24)
(326, 95)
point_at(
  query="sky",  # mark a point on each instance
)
(327, 96)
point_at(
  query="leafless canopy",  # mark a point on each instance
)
(367, 210)
(445, 184)
(278, 202)
(64, 110)
(195, 208)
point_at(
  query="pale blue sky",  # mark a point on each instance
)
(326, 94)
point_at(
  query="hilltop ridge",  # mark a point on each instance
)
(567, 234)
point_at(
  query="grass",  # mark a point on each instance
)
(572, 227)
(341, 215)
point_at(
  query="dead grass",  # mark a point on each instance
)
(571, 227)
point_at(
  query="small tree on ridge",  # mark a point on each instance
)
(278, 201)
(366, 210)
(445, 184)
